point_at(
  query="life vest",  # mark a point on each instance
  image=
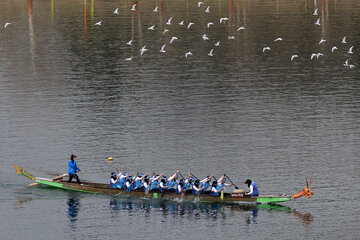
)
(171, 184)
(129, 187)
(162, 189)
(154, 185)
(255, 190)
(138, 183)
(112, 185)
(213, 193)
(187, 186)
(195, 191)
(177, 189)
(121, 183)
(206, 185)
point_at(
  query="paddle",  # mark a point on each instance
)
(236, 187)
(194, 176)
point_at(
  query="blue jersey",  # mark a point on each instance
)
(72, 167)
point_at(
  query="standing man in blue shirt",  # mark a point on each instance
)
(73, 168)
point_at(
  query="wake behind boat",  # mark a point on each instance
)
(236, 196)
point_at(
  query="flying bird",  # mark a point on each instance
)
(143, 50)
(207, 9)
(189, 25)
(129, 42)
(128, 59)
(151, 28)
(6, 24)
(169, 21)
(313, 55)
(162, 50)
(241, 28)
(278, 39)
(205, 37)
(351, 66)
(346, 63)
(209, 24)
(333, 49)
(231, 37)
(210, 54)
(155, 9)
(173, 39)
(200, 3)
(294, 56)
(165, 31)
(98, 23)
(318, 22)
(133, 7)
(223, 20)
(217, 44)
(344, 40)
(188, 54)
(266, 48)
(181, 23)
(351, 50)
(322, 41)
(116, 11)
(315, 12)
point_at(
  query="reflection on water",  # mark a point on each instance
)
(73, 209)
(207, 210)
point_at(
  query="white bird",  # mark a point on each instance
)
(133, 7)
(151, 28)
(209, 24)
(313, 55)
(318, 22)
(207, 9)
(165, 31)
(205, 37)
(223, 19)
(200, 3)
(169, 21)
(188, 54)
(350, 50)
(98, 23)
(116, 11)
(278, 39)
(333, 49)
(294, 56)
(210, 54)
(344, 40)
(266, 48)
(241, 28)
(128, 59)
(322, 41)
(319, 54)
(173, 39)
(231, 37)
(6, 24)
(315, 12)
(129, 42)
(143, 50)
(155, 9)
(181, 23)
(162, 50)
(217, 44)
(351, 66)
(346, 63)
(189, 25)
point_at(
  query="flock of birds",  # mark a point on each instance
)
(205, 37)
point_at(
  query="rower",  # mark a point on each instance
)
(122, 178)
(215, 189)
(113, 180)
(163, 184)
(195, 187)
(206, 182)
(253, 188)
(138, 181)
(146, 182)
(73, 168)
(180, 187)
(154, 181)
(129, 183)
(172, 181)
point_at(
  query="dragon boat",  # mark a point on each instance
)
(237, 196)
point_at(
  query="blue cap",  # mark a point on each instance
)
(141, 175)
(126, 173)
(113, 174)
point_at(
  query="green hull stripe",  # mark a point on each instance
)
(272, 199)
(59, 185)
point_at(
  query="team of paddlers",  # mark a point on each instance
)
(143, 182)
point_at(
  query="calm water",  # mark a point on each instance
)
(65, 87)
